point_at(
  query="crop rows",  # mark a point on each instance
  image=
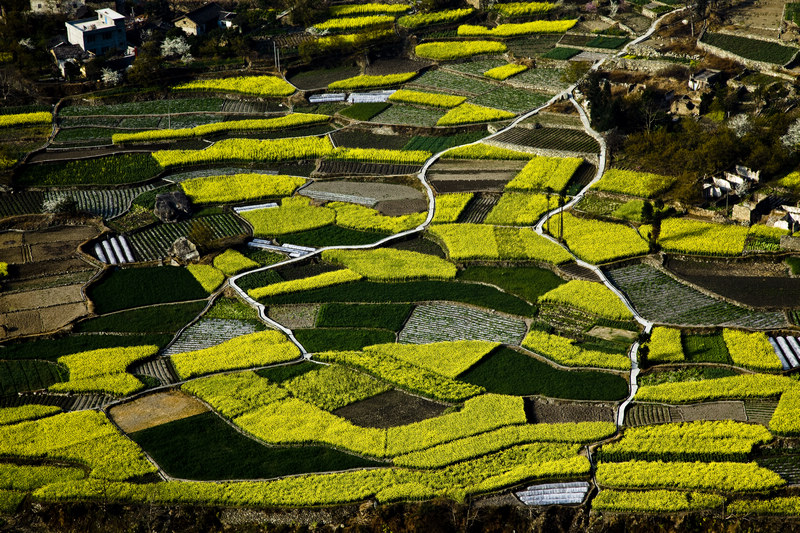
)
(22, 376)
(753, 49)
(647, 414)
(209, 332)
(654, 294)
(562, 139)
(345, 168)
(157, 369)
(511, 99)
(436, 322)
(153, 243)
(21, 203)
(477, 210)
(106, 203)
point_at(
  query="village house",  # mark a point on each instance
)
(204, 19)
(99, 36)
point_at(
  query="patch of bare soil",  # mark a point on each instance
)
(396, 208)
(762, 17)
(548, 411)
(40, 298)
(294, 316)
(155, 409)
(34, 321)
(388, 198)
(754, 284)
(390, 409)
(709, 411)
(468, 175)
(612, 334)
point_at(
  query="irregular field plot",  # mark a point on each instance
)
(437, 322)
(541, 411)
(509, 372)
(323, 339)
(654, 294)
(390, 409)
(167, 318)
(526, 282)
(415, 291)
(204, 447)
(52, 349)
(22, 376)
(561, 139)
(155, 409)
(135, 287)
(209, 332)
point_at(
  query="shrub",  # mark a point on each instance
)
(427, 99)
(446, 358)
(520, 209)
(332, 387)
(266, 124)
(642, 184)
(599, 242)
(589, 296)
(665, 346)
(790, 181)
(25, 119)
(231, 262)
(687, 441)
(207, 276)
(294, 214)
(363, 218)
(443, 51)
(437, 17)
(485, 151)
(469, 242)
(471, 113)
(386, 264)
(364, 81)
(401, 157)
(693, 236)
(513, 30)
(542, 172)
(354, 23)
(784, 420)
(655, 501)
(12, 415)
(563, 351)
(734, 387)
(239, 187)
(504, 72)
(523, 9)
(380, 363)
(448, 207)
(255, 349)
(265, 86)
(248, 150)
(86, 437)
(724, 476)
(314, 282)
(751, 350)
(363, 9)
(103, 370)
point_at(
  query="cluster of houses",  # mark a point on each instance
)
(107, 31)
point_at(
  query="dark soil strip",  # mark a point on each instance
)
(549, 412)
(390, 409)
(478, 208)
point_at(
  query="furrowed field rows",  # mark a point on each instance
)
(153, 243)
(22, 376)
(106, 203)
(446, 322)
(210, 332)
(242, 106)
(647, 414)
(555, 493)
(787, 466)
(157, 368)
(760, 411)
(90, 401)
(654, 295)
(478, 208)
(64, 402)
(561, 139)
(21, 203)
(354, 167)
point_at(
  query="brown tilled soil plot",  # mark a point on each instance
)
(541, 411)
(754, 284)
(709, 411)
(759, 17)
(155, 409)
(390, 409)
(469, 175)
(294, 316)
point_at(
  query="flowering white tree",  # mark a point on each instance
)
(740, 124)
(110, 77)
(174, 46)
(792, 137)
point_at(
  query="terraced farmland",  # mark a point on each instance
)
(436, 322)
(654, 295)
(209, 332)
(548, 139)
(153, 243)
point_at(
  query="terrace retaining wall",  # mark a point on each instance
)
(751, 63)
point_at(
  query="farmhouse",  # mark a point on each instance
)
(204, 19)
(101, 35)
